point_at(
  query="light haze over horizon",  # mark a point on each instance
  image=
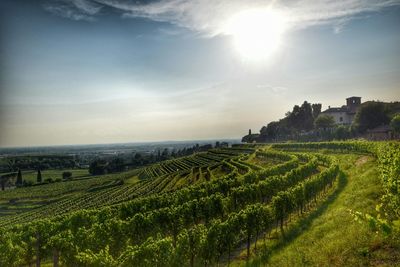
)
(102, 71)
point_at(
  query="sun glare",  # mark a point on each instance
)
(257, 33)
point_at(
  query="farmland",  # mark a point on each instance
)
(254, 204)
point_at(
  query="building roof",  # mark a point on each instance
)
(353, 97)
(332, 110)
(341, 110)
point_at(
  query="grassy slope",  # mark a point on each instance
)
(329, 236)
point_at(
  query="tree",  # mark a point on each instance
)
(164, 154)
(271, 131)
(371, 115)
(324, 121)
(39, 176)
(19, 179)
(116, 165)
(98, 167)
(316, 110)
(395, 123)
(301, 118)
(3, 181)
(138, 156)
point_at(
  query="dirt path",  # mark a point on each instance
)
(362, 160)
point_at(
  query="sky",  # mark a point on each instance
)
(114, 71)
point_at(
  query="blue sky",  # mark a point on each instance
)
(82, 71)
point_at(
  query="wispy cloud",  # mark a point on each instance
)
(74, 9)
(305, 13)
(208, 17)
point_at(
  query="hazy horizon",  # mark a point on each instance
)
(101, 71)
(127, 143)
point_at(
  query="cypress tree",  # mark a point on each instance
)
(19, 178)
(39, 176)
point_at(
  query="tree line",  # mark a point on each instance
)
(43, 162)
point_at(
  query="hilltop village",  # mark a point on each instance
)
(372, 120)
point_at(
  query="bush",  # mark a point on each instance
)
(67, 175)
(342, 133)
(49, 180)
(395, 123)
(27, 183)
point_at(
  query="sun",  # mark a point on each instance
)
(257, 33)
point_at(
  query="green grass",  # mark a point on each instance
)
(329, 235)
(132, 180)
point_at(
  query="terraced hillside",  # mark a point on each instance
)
(30, 203)
(220, 207)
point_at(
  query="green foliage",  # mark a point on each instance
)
(43, 162)
(102, 258)
(98, 167)
(316, 110)
(150, 253)
(395, 123)
(388, 155)
(49, 180)
(371, 115)
(10, 253)
(324, 122)
(301, 118)
(6, 179)
(39, 176)
(153, 231)
(342, 133)
(19, 179)
(194, 225)
(27, 183)
(66, 175)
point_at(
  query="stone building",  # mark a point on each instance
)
(345, 114)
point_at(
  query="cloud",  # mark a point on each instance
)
(74, 9)
(305, 13)
(208, 17)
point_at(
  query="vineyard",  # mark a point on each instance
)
(210, 208)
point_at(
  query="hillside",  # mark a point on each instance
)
(280, 205)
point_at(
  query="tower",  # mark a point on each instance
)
(353, 103)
